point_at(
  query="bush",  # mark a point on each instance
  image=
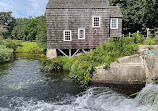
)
(6, 54)
(82, 67)
(13, 44)
(149, 41)
(28, 47)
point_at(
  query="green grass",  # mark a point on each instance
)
(28, 47)
(82, 67)
(8, 47)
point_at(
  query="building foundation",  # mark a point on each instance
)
(51, 53)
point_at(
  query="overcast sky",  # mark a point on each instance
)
(24, 8)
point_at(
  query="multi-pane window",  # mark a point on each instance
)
(67, 35)
(96, 21)
(114, 23)
(81, 33)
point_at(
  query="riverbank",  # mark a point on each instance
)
(82, 67)
(141, 68)
(8, 47)
(29, 47)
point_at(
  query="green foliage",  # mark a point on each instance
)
(56, 63)
(151, 19)
(12, 44)
(41, 36)
(7, 48)
(26, 30)
(7, 19)
(150, 41)
(82, 67)
(6, 54)
(28, 47)
(3, 31)
(137, 14)
(31, 29)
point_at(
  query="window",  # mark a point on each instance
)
(96, 22)
(67, 35)
(114, 23)
(81, 33)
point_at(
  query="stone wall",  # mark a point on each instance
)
(136, 69)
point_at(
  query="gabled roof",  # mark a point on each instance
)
(77, 4)
(115, 11)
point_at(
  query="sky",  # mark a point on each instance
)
(24, 8)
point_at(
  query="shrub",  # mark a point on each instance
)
(6, 54)
(149, 41)
(13, 44)
(82, 67)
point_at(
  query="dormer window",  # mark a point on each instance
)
(114, 23)
(96, 21)
(67, 35)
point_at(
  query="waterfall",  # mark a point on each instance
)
(94, 99)
(148, 97)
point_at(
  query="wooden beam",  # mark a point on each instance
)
(69, 52)
(63, 52)
(84, 51)
(75, 52)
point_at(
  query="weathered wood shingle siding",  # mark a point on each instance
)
(117, 32)
(115, 12)
(72, 19)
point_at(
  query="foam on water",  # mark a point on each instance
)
(94, 99)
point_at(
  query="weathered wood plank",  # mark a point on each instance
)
(72, 19)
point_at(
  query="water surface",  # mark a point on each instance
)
(24, 86)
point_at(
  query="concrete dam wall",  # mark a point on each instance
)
(135, 69)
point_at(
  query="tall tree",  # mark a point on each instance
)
(30, 29)
(41, 37)
(151, 13)
(6, 18)
(134, 14)
(26, 29)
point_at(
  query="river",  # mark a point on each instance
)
(24, 86)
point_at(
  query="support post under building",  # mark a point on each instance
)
(51, 53)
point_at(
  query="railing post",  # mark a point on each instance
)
(147, 30)
(137, 32)
(129, 34)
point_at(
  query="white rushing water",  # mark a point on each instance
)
(94, 99)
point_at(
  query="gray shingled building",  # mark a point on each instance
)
(75, 25)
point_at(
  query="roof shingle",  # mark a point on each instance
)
(115, 11)
(77, 4)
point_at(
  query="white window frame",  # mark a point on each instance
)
(70, 35)
(79, 33)
(116, 23)
(93, 21)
